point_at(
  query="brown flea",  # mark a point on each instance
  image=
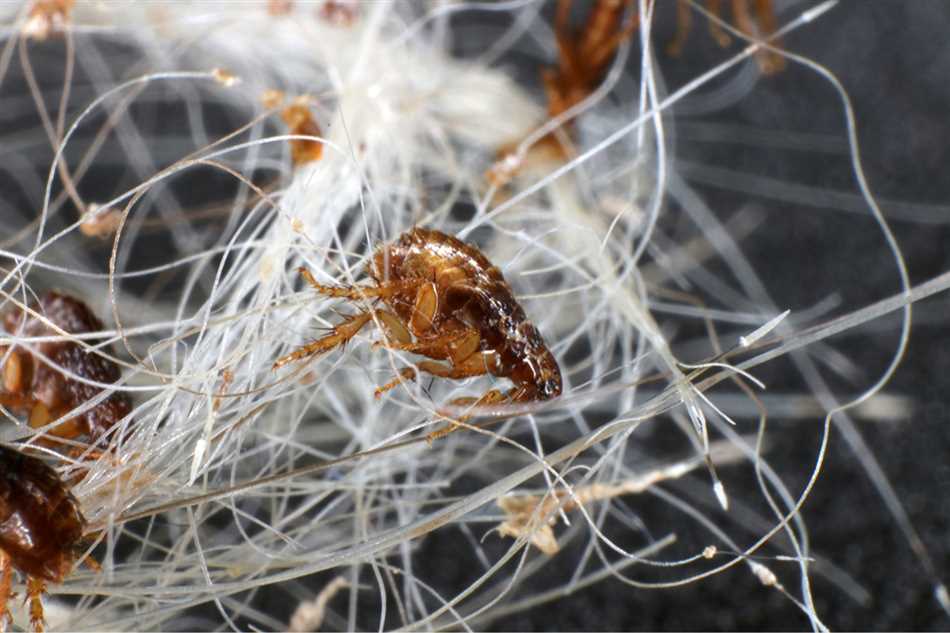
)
(446, 301)
(47, 17)
(762, 25)
(299, 120)
(585, 55)
(583, 59)
(40, 389)
(41, 529)
(340, 13)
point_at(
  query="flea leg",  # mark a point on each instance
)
(567, 60)
(406, 373)
(684, 23)
(455, 346)
(715, 29)
(599, 55)
(743, 18)
(477, 364)
(766, 16)
(554, 92)
(34, 593)
(76, 452)
(356, 293)
(493, 396)
(339, 336)
(490, 397)
(6, 580)
(474, 365)
(769, 62)
(92, 563)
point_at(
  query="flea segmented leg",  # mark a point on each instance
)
(6, 580)
(740, 11)
(761, 25)
(34, 593)
(769, 63)
(459, 347)
(454, 346)
(766, 14)
(583, 56)
(715, 29)
(684, 23)
(554, 92)
(406, 373)
(493, 396)
(568, 62)
(355, 293)
(598, 51)
(602, 22)
(474, 365)
(92, 563)
(340, 335)
(82, 452)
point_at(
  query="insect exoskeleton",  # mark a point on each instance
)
(41, 529)
(39, 379)
(444, 300)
